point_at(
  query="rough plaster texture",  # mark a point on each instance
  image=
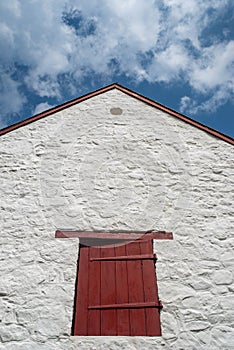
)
(85, 168)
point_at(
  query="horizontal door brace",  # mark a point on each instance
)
(128, 306)
(127, 257)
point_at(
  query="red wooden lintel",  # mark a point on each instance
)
(127, 306)
(115, 235)
(127, 257)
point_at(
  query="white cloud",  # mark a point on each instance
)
(215, 67)
(33, 35)
(6, 42)
(185, 104)
(212, 75)
(137, 23)
(169, 64)
(211, 104)
(11, 100)
(41, 107)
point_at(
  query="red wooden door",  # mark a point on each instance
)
(117, 291)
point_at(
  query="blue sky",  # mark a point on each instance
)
(176, 52)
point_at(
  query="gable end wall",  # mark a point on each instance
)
(87, 169)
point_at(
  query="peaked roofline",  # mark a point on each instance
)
(129, 92)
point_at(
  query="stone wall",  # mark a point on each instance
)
(88, 168)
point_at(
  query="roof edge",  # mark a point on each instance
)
(129, 92)
(56, 109)
(178, 115)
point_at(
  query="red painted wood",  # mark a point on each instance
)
(115, 235)
(151, 304)
(150, 293)
(125, 257)
(117, 296)
(123, 315)
(81, 319)
(108, 293)
(94, 316)
(136, 291)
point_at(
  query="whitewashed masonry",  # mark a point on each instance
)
(89, 167)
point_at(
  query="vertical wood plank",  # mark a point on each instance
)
(108, 293)
(150, 291)
(94, 316)
(81, 314)
(116, 282)
(136, 291)
(123, 324)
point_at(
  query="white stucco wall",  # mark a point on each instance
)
(86, 169)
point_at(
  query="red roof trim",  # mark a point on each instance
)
(55, 109)
(128, 92)
(178, 115)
